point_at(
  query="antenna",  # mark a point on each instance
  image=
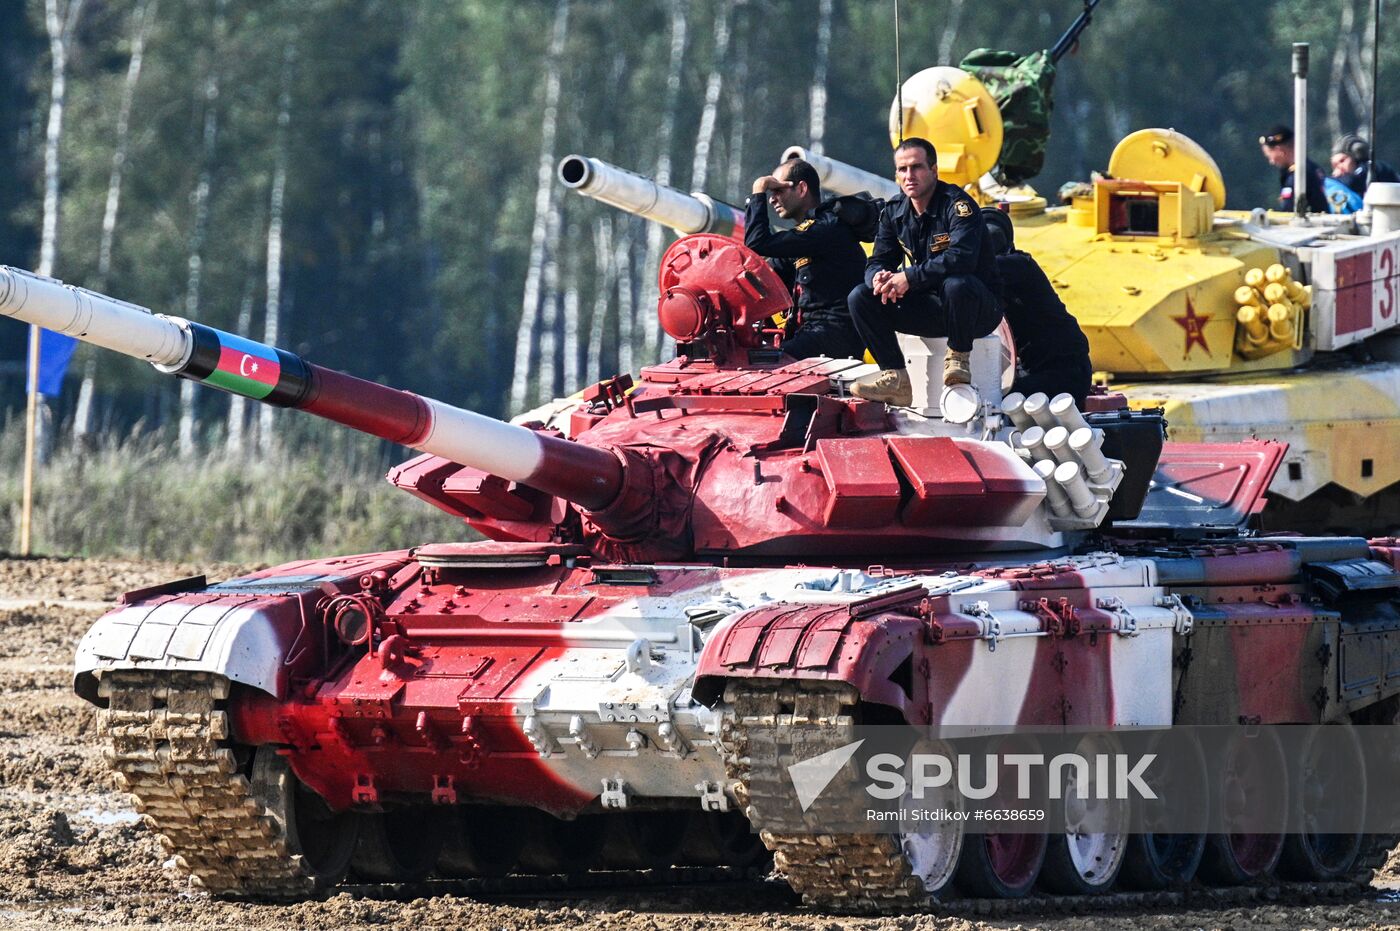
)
(1375, 76)
(898, 75)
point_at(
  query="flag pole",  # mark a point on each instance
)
(31, 418)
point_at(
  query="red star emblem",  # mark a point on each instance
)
(1195, 328)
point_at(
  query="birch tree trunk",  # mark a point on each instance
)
(549, 313)
(951, 24)
(272, 313)
(195, 265)
(651, 329)
(699, 171)
(626, 312)
(570, 367)
(544, 198)
(741, 105)
(59, 23)
(605, 278)
(817, 103)
(1360, 50)
(1345, 39)
(141, 19)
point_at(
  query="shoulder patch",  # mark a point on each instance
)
(963, 209)
(805, 223)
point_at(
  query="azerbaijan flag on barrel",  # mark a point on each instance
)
(245, 367)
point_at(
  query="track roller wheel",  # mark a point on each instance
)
(1336, 782)
(932, 848)
(1085, 857)
(482, 840)
(644, 840)
(322, 841)
(722, 838)
(1249, 786)
(554, 845)
(400, 845)
(1001, 866)
(1163, 858)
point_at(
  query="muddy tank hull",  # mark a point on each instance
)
(533, 682)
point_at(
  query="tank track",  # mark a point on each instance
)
(840, 872)
(168, 748)
(862, 873)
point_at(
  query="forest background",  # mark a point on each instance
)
(371, 183)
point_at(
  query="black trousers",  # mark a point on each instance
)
(839, 341)
(1056, 375)
(965, 310)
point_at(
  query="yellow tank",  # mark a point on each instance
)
(1240, 325)
(1150, 272)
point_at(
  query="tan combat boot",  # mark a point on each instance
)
(891, 386)
(957, 368)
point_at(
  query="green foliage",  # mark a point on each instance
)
(320, 492)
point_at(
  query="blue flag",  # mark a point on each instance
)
(55, 350)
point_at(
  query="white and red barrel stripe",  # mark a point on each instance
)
(587, 476)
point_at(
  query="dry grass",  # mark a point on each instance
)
(319, 490)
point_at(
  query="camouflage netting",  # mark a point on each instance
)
(1021, 86)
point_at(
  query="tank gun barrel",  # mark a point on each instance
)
(841, 178)
(588, 476)
(643, 197)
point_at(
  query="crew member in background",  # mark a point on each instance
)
(1052, 354)
(1350, 164)
(929, 275)
(820, 259)
(1277, 146)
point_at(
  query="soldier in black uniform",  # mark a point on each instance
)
(1052, 354)
(946, 287)
(1277, 146)
(820, 259)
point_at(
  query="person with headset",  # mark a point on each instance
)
(1351, 161)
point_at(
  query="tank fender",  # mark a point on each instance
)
(872, 650)
(248, 645)
(259, 631)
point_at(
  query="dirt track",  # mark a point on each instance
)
(73, 855)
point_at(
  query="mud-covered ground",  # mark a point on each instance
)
(74, 855)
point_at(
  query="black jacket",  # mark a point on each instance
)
(1044, 331)
(820, 260)
(945, 241)
(1317, 198)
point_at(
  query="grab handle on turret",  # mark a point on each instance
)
(639, 195)
(587, 476)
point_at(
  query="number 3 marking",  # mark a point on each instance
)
(1387, 272)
